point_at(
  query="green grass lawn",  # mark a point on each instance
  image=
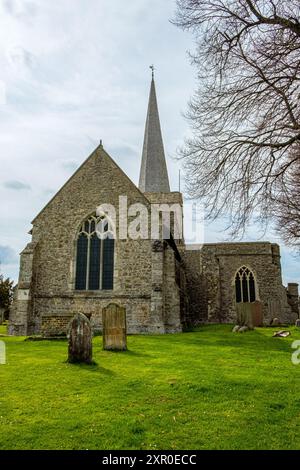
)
(208, 389)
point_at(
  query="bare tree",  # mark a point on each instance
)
(245, 112)
(286, 206)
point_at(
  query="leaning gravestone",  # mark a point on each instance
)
(114, 328)
(80, 340)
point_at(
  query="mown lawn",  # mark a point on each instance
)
(208, 389)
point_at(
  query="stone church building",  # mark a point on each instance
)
(163, 283)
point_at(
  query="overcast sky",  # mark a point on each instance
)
(73, 72)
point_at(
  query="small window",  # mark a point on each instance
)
(94, 258)
(245, 286)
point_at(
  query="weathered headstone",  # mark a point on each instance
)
(80, 340)
(297, 323)
(249, 314)
(256, 313)
(1, 315)
(274, 308)
(114, 328)
(244, 314)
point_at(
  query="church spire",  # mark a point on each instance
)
(154, 174)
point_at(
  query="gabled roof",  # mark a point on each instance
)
(100, 153)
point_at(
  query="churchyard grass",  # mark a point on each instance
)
(205, 389)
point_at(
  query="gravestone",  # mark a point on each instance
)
(1, 315)
(244, 314)
(114, 328)
(80, 340)
(297, 323)
(256, 313)
(274, 308)
(249, 314)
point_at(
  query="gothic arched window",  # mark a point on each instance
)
(245, 286)
(94, 257)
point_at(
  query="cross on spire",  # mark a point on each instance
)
(152, 68)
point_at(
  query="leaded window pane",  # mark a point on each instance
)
(95, 257)
(245, 286)
(238, 291)
(94, 265)
(81, 262)
(108, 264)
(252, 288)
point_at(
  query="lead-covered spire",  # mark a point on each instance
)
(154, 174)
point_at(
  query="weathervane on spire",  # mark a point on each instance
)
(152, 68)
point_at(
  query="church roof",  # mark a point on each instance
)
(154, 173)
(99, 154)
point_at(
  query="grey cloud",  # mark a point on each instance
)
(7, 255)
(20, 56)
(19, 8)
(16, 185)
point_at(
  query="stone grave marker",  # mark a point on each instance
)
(114, 328)
(80, 340)
(249, 314)
(1, 315)
(244, 314)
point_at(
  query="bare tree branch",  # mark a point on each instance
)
(245, 114)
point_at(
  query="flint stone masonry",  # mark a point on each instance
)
(293, 297)
(211, 271)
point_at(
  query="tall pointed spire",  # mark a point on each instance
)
(154, 174)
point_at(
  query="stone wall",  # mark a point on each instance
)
(293, 297)
(211, 274)
(20, 318)
(172, 293)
